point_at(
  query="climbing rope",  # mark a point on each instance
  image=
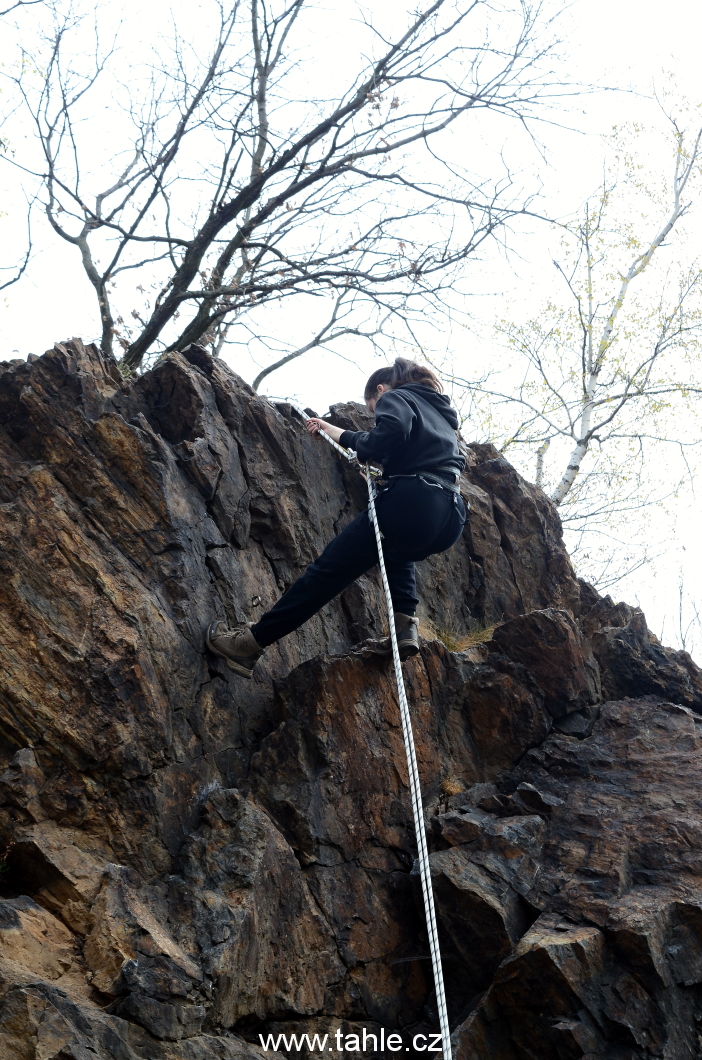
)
(415, 790)
(348, 453)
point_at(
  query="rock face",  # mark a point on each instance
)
(191, 861)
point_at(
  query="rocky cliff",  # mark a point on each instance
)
(191, 860)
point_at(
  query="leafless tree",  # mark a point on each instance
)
(18, 268)
(358, 201)
(689, 619)
(19, 3)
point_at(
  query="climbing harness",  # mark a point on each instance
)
(371, 473)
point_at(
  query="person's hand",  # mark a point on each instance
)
(313, 425)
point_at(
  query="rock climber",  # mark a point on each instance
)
(419, 507)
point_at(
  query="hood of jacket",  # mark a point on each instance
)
(441, 402)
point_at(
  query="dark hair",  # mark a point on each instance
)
(402, 371)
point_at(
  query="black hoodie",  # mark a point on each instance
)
(415, 430)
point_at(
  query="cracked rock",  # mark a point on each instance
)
(190, 860)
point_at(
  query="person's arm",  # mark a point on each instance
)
(393, 425)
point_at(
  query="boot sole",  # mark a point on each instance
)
(238, 668)
(406, 651)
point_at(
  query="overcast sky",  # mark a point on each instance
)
(624, 44)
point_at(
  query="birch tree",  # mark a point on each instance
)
(610, 370)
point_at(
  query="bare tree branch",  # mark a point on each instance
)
(19, 3)
(19, 270)
(269, 194)
(592, 388)
(329, 333)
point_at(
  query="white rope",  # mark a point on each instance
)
(348, 453)
(415, 791)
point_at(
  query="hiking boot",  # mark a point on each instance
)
(237, 646)
(407, 638)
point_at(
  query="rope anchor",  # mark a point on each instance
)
(371, 473)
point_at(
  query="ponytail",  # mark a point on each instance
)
(401, 372)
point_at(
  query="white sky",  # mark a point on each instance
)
(620, 43)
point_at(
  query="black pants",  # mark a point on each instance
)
(416, 519)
